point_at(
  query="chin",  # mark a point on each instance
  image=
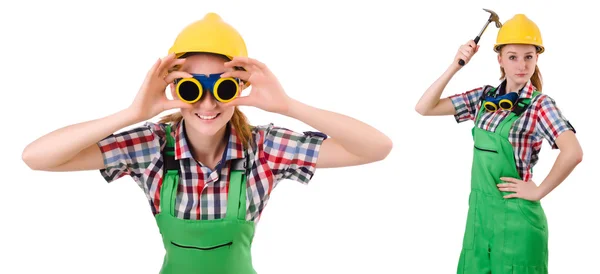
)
(520, 80)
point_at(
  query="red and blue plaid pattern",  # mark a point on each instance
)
(275, 154)
(542, 120)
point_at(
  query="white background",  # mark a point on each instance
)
(65, 63)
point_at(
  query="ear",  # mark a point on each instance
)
(500, 60)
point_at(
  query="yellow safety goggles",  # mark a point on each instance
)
(505, 102)
(190, 90)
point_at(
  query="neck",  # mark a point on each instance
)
(207, 149)
(512, 86)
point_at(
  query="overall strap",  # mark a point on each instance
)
(171, 173)
(523, 104)
(236, 196)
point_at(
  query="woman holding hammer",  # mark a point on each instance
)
(506, 228)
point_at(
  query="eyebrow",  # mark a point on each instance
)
(531, 52)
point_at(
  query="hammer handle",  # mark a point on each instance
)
(461, 61)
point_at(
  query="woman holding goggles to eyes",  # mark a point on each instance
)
(506, 228)
(206, 172)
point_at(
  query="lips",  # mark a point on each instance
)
(207, 117)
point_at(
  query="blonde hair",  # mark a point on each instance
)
(239, 121)
(536, 78)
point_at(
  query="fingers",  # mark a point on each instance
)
(509, 179)
(241, 62)
(154, 68)
(244, 75)
(166, 60)
(467, 50)
(167, 63)
(507, 189)
(174, 65)
(463, 55)
(258, 64)
(246, 62)
(512, 195)
(471, 44)
(175, 75)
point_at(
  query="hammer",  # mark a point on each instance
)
(493, 17)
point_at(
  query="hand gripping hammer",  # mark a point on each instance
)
(493, 18)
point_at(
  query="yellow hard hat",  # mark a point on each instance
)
(212, 35)
(519, 30)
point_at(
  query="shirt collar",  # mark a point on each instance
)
(525, 92)
(233, 150)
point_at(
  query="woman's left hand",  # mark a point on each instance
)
(524, 190)
(266, 93)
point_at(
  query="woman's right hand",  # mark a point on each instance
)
(466, 52)
(151, 99)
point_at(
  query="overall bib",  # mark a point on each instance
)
(221, 246)
(502, 235)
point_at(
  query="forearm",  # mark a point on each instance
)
(60, 146)
(355, 136)
(563, 166)
(431, 97)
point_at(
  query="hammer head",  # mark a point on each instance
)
(494, 18)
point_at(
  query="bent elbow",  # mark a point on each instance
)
(575, 154)
(386, 147)
(389, 145)
(578, 157)
(28, 158)
(420, 110)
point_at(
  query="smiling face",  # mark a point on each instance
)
(207, 116)
(518, 63)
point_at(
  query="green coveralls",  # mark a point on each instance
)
(221, 246)
(502, 235)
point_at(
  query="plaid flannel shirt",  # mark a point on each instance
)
(274, 154)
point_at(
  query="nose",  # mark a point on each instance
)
(207, 101)
(522, 64)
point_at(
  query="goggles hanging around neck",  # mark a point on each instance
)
(505, 102)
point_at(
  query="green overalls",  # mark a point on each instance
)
(221, 246)
(502, 235)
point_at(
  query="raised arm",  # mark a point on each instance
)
(430, 103)
(75, 148)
